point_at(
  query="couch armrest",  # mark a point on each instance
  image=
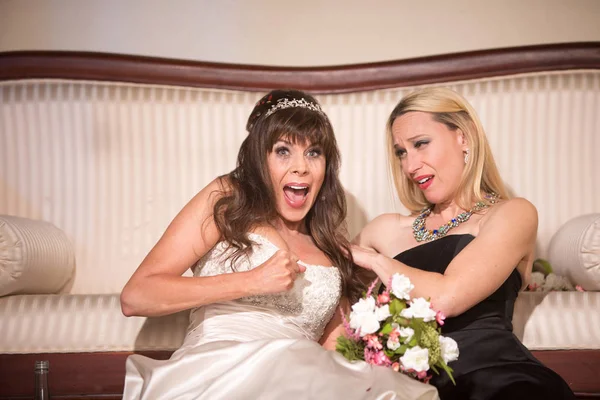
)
(35, 256)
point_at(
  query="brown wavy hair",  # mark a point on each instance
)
(249, 201)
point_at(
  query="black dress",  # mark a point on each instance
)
(493, 363)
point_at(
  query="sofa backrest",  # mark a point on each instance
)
(111, 163)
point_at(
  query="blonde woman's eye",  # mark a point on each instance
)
(400, 153)
(421, 143)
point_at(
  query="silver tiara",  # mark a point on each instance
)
(284, 103)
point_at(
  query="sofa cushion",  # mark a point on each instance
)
(70, 323)
(35, 256)
(575, 251)
(558, 320)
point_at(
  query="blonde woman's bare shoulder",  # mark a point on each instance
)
(393, 220)
(518, 205)
(382, 224)
(517, 210)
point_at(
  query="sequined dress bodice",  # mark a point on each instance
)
(302, 312)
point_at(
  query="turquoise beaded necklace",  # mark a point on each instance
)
(423, 234)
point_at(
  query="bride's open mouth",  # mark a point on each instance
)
(296, 194)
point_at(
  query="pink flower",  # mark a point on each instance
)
(440, 317)
(579, 288)
(422, 374)
(373, 342)
(394, 334)
(381, 359)
(396, 366)
(350, 333)
(372, 286)
(376, 357)
(369, 355)
(383, 298)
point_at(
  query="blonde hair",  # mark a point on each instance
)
(451, 109)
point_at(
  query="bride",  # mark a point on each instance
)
(268, 253)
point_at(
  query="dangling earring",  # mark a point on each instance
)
(466, 155)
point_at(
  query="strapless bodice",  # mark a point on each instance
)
(302, 312)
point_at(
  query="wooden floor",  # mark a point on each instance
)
(101, 375)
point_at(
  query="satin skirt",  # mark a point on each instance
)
(265, 369)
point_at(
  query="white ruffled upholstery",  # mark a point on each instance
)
(558, 320)
(82, 323)
(112, 163)
(35, 256)
(574, 251)
(94, 323)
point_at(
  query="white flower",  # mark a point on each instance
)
(449, 349)
(393, 344)
(383, 312)
(364, 305)
(556, 282)
(416, 359)
(401, 286)
(366, 322)
(536, 281)
(407, 333)
(419, 308)
(364, 317)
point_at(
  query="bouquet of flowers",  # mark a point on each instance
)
(393, 330)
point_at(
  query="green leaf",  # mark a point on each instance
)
(448, 370)
(394, 306)
(349, 348)
(402, 349)
(387, 329)
(543, 266)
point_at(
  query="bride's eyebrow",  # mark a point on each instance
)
(284, 140)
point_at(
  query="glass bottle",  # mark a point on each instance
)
(41, 380)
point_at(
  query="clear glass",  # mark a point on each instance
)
(41, 380)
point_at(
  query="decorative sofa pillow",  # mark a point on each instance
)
(575, 251)
(35, 256)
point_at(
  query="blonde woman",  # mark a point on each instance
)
(468, 246)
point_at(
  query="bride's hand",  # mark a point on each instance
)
(277, 274)
(363, 257)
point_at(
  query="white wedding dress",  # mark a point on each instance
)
(264, 347)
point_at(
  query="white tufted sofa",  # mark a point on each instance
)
(109, 161)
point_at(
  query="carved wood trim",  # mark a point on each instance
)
(329, 79)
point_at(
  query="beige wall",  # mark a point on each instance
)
(295, 32)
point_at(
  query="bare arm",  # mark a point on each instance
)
(506, 238)
(335, 327)
(157, 287)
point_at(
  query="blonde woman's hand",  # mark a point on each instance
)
(277, 274)
(364, 257)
